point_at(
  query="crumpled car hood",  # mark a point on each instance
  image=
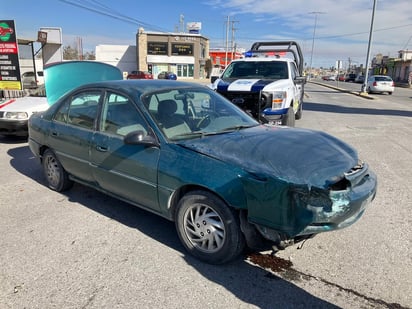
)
(294, 155)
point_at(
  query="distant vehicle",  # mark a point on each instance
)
(167, 75)
(139, 75)
(380, 84)
(350, 77)
(329, 77)
(360, 79)
(15, 113)
(341, 77)
(29, 81)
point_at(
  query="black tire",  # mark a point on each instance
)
(298, 114)
(289, 118)
(208, 228)
(56, 176)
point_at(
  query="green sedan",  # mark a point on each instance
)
(186, 153)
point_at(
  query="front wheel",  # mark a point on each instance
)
(208, 228)
(57, 178)
(298, 114)
(289, 118)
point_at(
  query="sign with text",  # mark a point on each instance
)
(9, 57)
(182, 49)
(157, 48)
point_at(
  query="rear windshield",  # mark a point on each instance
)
(383, 79)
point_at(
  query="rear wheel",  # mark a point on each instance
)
(208, 228)
(57, 178)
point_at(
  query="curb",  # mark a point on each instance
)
(359, 94)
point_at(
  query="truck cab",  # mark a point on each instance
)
(268, 83)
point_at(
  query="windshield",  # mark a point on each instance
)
(194, 112)
(257, 69)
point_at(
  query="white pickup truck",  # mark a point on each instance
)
(268, 83)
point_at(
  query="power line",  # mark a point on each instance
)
(104, 10)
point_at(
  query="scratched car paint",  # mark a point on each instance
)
(184, 152)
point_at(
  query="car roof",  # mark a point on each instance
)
(134, 86)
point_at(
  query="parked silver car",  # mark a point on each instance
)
(380, 84)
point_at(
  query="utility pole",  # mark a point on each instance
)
(363, 89)
(313, 40)
(233, 44)
(227, 40)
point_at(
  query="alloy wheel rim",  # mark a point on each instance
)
(53, 171)
(204, 228)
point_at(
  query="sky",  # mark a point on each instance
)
(327, 30)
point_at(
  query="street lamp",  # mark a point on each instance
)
(313, 40)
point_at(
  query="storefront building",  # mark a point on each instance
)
(184, 54)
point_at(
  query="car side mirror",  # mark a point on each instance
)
(299, 80)
(213, 79)
(140, 138)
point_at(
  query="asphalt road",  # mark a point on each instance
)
(83, 249)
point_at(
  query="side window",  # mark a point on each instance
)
(293, 71)
(120, 116)
(80, 110)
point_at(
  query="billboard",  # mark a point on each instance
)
(9, 57)
(194, 27)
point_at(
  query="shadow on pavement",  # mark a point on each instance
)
(324, 107)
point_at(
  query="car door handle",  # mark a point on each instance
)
(101, 148)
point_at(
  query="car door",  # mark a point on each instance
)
(72, 130)
(297, 87)
(126, 170)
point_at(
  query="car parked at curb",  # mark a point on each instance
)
(350, 77)
(167, 75)
(380, 84)
(360, 79)
(139, 75)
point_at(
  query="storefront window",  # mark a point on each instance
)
(185, 70)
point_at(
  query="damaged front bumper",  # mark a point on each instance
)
(294, 212)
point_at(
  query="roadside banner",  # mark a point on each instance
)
(10, 78)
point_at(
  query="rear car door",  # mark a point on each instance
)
(129, 171)
(72, 130)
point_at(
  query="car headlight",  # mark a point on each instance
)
(16, 115)
(278, 98)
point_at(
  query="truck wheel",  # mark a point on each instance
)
(298, 114)
(289, 118)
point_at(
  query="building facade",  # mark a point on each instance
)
(221, 58)
(184, 54)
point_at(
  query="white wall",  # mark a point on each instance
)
(121, 56)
